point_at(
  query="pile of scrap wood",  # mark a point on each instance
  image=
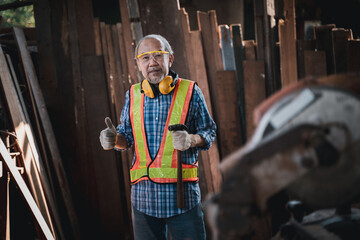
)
(27, 139)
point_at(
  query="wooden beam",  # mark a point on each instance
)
(301, 47)
(287, 36)
(239, 55)
(254, 90)
(129, 43)
(249, 50)
(197, 68)
(314, 63)
(26, 140)
(25, 191)
(340, 39)
(229, 128)
(323, 37)
(353, 60)
(227, 51)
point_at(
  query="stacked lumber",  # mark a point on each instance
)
(230, 75)
(32, 139)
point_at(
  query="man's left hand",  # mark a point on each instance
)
(182, 140)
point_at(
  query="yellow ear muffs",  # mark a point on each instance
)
(148, 89)
(166, 85)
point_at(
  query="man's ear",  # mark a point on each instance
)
(171, 60)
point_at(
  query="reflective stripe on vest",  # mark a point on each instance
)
(162, 169)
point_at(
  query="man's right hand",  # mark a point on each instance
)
(108, 135)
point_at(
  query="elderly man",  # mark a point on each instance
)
(160, 100)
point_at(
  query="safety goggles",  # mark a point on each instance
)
(156, 55)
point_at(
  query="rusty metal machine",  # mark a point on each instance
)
(302, 162)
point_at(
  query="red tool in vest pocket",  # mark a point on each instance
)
(180, 191)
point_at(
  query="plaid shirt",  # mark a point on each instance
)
(159, 200)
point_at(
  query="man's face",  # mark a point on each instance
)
(155, 66)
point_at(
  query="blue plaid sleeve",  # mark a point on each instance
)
(200, 120)
(124, 127)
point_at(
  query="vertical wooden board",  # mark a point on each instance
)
(97, 35)
(227, 51)
(129, 44)
(229, 127)
(239, 56)
(340, 39)
(208, 28)
(216, 41)
(105, 164)
(302, 46)
(104, 47)
(259, 27)
(210, 157)
(124, 64)
(120, 99)
(113, 80)
(254, 90)
(323, 37)
(353, 60)
(211, 51)
(249, 49)
(315, 63)
(287, 38)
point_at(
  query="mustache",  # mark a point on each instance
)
(154, 69)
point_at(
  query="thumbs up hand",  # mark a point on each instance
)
(108, 135)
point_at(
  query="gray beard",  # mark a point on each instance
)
(157, 80)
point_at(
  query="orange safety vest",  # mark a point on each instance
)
(162, 169)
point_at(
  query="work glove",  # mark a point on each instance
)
(182, 140)
(108, 135)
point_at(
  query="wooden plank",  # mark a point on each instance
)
(197, 68)
(254, 90)
(124, 67)
(215, 36)
(97, 35)
(353, 60)
(302, 46)
(125, 159)
(112, 219)
(315, 63)
(227, 51)
(340, 39)
(260, 28)
(46, 125)
(249, 49)
(26, 192)
(113, 80)
(23, 131)
(129, 44)
(239, 54)
(229, 127)
(208, 28)
(211, 156)
(287, 37)
(104, 50)
(323, 37)
(265, 35)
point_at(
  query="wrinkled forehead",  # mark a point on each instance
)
(150, 44)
